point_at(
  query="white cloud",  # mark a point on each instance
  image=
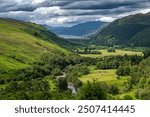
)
(37, 1)
(53, 12)
(133, 13)
(107, 19)
(49, 10)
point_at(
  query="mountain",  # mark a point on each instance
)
(131, 30)
(77, 30)
(21, 43)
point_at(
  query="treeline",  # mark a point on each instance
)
(30, 83)
(97, 91)
(140, 78)
(87, 50)
(25, 90)
(113, 62)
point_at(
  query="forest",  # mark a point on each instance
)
(36, 64)
(41, 80)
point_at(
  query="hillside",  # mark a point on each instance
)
(130, 30)
(77, 30)
(21, 43)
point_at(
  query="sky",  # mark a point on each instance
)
(71, 12)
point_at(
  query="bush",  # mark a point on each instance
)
(143, 94)
(113, 89)
(146, 53)
(128, 97)
(108, 64)
(123, 71)
(33, 89)
(77, 70)
(77, 83)
(62, 84)
(92, 91)
(111, 50)
(56, 72)
(2, 81)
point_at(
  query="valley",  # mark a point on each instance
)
(36, 64)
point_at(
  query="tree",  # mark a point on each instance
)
(2, 81)
(123, 71)
(56, 72)
(86, 50)
(143, 94)
(146, 53)
(111, 50)
(33, 89)
(127, 97)
(92, 91)
(113, 89)
(62, 84)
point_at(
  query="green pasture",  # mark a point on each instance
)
(117, 52)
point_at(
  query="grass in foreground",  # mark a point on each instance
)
(109, 76)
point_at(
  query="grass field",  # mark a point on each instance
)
(19, 46)
(108, 76)
(118, 52)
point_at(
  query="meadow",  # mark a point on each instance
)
(108, 76)
(117, 52)
(21, 44)
(31, 59)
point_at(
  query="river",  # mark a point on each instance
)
(70, 84)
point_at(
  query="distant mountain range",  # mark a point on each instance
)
(77, 30)
(132, 30)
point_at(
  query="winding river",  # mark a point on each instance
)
(70, 84)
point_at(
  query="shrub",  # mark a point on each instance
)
(2, 81)
(111, 50)
(56, 72)
(146, 53)
(62, 84)
(92, 91)
(128, 97)
(113, 89)
(123, 71)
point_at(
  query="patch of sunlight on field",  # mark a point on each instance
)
(118, 52)
(99, 75)
(108, 76)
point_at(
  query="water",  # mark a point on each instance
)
(72, 87)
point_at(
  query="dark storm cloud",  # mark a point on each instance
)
(97, 5)
(67, 12)
(27, 5)
(6, 6)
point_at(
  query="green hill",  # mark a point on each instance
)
(22, 43)
(130, 30)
